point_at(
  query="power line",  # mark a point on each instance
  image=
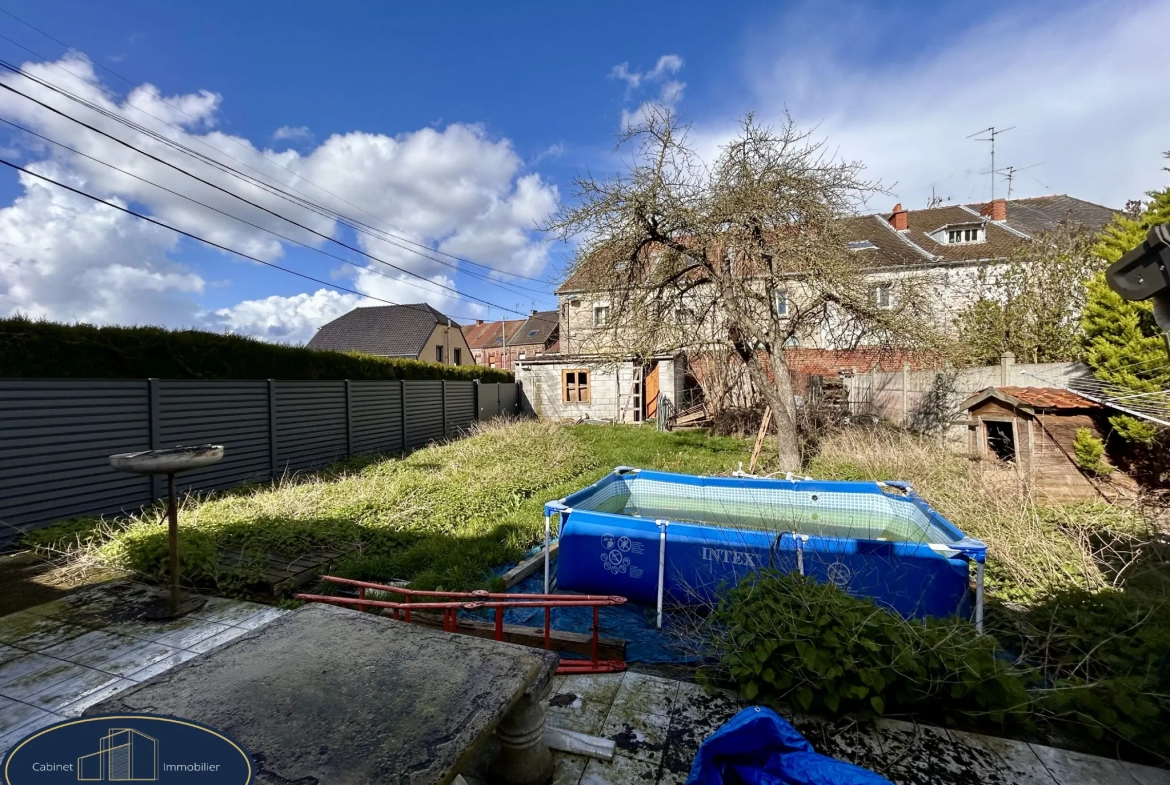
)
(251, 203)
(239, 144)
(272, 190)
(196, 237)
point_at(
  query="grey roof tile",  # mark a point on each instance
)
(386, 330)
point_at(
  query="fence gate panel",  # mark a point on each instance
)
(310, 424)
(460, 407)
(234, 414)
(509, 400)
(376, 417)
(424, 413)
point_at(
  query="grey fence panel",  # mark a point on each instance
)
(310, 424)
(509, 400)
(424, 409)
(376, 417)
(461, 411)
(234, 414)
(56, 437)
(489, 401)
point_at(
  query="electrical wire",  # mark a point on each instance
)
(239, 144)
(203, 240)
(301, 226)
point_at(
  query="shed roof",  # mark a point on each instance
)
(385, 330)
(1044, 398)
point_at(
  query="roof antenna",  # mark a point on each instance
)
(991, 132)
(935, 200)
(1009, 173)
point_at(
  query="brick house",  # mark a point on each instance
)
(501, 344)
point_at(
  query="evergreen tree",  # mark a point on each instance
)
(1122, 343)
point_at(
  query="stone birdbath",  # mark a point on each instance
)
(170, 461)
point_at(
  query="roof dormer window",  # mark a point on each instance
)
(959, 234)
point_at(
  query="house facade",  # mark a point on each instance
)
(417, 332)
(502, 344)
(949, 252)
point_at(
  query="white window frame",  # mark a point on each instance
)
(601, 309)
(781, 303)
(878, 291)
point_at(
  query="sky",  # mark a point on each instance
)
(451, 131)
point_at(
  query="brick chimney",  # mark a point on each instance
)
(899, 219)
(996, 210)
(479, 321)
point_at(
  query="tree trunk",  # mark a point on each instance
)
(778, 394)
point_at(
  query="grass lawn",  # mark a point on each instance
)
(443, 517)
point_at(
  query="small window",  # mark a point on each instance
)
(782, 302)
(575, 386)
(523, 356)
(882, 296)
(600, 315)
(792, 342)
(532, 333)
(955, 236)
(861, 245)
(438, 354)
(458, 356)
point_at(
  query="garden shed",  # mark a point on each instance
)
(1033, 428)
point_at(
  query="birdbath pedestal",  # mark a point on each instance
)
(170, 462)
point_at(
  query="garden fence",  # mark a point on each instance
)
(56, 435)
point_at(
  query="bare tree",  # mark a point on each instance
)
(747, 254)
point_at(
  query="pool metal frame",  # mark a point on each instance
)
(972, 549)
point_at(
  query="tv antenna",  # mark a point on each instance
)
(1009, 173)
(991, 132)
(936, 200)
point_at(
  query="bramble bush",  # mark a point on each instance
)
(785, 637)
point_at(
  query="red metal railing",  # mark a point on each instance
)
(451, 602)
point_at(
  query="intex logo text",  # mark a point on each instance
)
(733, 557)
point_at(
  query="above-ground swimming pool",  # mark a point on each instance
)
(658, 537)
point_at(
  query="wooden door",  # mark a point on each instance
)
(650, 392)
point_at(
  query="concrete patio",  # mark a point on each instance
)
(59, 658)
(658, 724)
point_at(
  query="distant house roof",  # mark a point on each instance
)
(386, 330)
(534, 330)
(1046, 398)
(876, 243)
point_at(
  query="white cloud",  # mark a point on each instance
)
(300, 133)
(669, 93)
(1083, 89)
(667, 64)
(67, 259)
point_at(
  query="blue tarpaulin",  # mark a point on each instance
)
(759, 747)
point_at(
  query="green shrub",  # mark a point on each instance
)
(45, 350)
(809, 644)
(1089, 451)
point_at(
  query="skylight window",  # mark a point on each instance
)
(532, 333)
(861, 245)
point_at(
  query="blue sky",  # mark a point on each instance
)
(463, 124)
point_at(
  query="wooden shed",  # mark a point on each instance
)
(1034, 428)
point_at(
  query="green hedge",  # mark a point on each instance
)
(46, 350)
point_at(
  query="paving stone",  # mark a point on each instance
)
(72, 648)
(844, 739)
(570, 712)
(1001, 761)
(915, 754)
(225, 611)
(567, 768)
(599, 687)
(14, 737)
(260, 618)
(215, 641)
(637, 734)
(33, 673)
(650, 694)
(75, 708)
(10, 653)
(178, 633)
(1148, 775)
(14, 713)
(1075, 768)
(122, 655)
(622, 770)
(176, 657)
(80, 683)
(30, 632)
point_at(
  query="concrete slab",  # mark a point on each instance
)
(599, 688)
(347, 697)
(650, 694)
(636, 734)
(7, 740)
(14, 713)
(1148, 775)
(37, 673)
(77, 707)
(30, 632)
(70, 649)
(566, 710)
(622, 770)
(10, 653)
(1075, 768)
(179, 633)
(914, 754)
(1001, 761)
(122, 655)
(81, 683)
(169, 661)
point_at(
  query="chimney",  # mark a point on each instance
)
(534, 312)
(479, 321)
(996, 210)
(899, 219)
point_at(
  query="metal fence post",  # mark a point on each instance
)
(272, 427)
(475, 394)
(348, 421)
(443, 395)
(402, 410)
(152, 392)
